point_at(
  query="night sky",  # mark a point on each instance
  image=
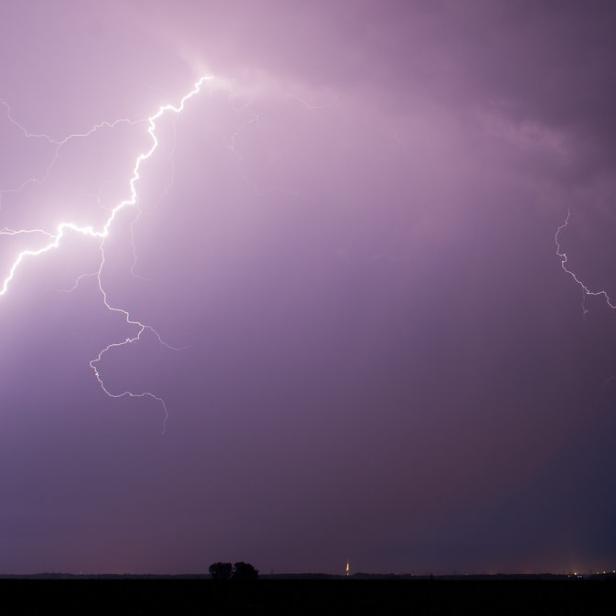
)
(349, 233)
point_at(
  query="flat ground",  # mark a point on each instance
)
(329, 596)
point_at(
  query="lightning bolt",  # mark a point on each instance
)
(58, 145)
(562, 255)
(56, 237)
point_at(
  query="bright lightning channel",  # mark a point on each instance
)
(55, 238)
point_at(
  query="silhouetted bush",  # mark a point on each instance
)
(221, 571)
(244, 571)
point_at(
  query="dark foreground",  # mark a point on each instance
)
(329, 596)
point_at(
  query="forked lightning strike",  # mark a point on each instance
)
(55, 238)
(57, 143)
(563, 263)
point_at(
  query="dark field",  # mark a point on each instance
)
(303, 596)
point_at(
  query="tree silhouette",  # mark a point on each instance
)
(244, 571)
(221, 571)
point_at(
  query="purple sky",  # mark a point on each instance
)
(351, 230)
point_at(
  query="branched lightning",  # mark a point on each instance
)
(58, 145)
(563, 263)
(78, 281)
(13, 232)
(64, 228)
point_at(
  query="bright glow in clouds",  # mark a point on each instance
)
(55, 238)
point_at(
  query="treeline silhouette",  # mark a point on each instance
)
(237, 571)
